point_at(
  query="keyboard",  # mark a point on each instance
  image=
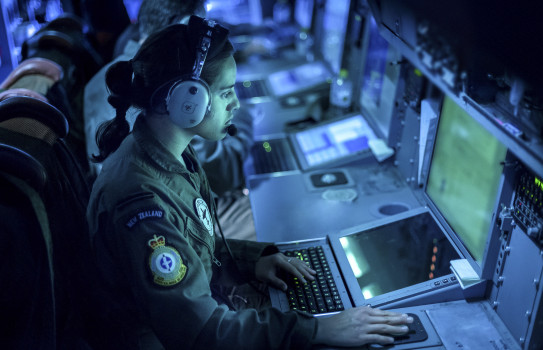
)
(318, 296)
(272, 156)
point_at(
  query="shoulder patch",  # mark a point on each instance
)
(165, 263)
(204, 214)
(153, 213)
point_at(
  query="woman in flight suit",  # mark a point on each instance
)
(151, 215)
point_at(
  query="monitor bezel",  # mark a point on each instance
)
(297, 8)
(320, 31)
(393, 55)
(300, 156)
(403, 295)
(485, 268)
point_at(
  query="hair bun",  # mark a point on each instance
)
(119, 78)
(118, 102)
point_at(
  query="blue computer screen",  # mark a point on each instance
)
(303, 13)
(374, 69)
(304, 76)
(379, 79)
(336, 14)
(335, 140)
(235, 12)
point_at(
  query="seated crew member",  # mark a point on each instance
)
(222, 160)
(151, 215)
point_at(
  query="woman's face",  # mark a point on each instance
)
(224, 103)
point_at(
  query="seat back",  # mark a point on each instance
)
(33, 117)
(4, 95)
(64, 42)
(37, 128)
(37, 68)
(27, 297)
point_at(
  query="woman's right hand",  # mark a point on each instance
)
(361, 325)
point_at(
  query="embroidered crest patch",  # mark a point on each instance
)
(165, 263)
(203, 213)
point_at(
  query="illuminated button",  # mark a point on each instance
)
(445, 280)
(437, 283)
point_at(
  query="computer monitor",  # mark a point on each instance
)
(235, 12)
(301, 77)
(303, 13)
(344, 139)
(406, 258)
(398, 254)
(464, 177)
(379, 79)
(334, 25)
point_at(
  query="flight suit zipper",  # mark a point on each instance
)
(213, 258)
(216, 261)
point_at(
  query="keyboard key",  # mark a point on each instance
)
(319, 296)
(274, 157)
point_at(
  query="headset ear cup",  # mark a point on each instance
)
(187, 102)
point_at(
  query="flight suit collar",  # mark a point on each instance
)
(159, 154)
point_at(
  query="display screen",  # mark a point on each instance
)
(303, 13)
(234, 12)
(334, 28)
(399, 254)
(336, 140)
(301, 77)
(464, 176)
(380, 78)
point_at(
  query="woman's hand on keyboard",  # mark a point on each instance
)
(269, 268)
(361, 325)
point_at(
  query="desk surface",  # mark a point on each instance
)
(289, 207)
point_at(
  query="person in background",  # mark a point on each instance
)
(106, 20)
(222, 160)
(151, 217)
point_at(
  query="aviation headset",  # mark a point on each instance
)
(188, 99)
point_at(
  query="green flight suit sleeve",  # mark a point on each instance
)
(164, 262)
(245, 255)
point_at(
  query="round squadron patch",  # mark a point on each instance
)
(165, 263)
(203, 213)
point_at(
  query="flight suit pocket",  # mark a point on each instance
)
(202, 242)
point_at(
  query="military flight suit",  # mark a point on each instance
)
(151, 221)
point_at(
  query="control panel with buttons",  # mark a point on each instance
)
(528, 206)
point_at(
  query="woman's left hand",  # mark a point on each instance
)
(268, 267)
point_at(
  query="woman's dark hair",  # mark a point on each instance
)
(164, 57)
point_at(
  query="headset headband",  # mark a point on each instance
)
(203, 49)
